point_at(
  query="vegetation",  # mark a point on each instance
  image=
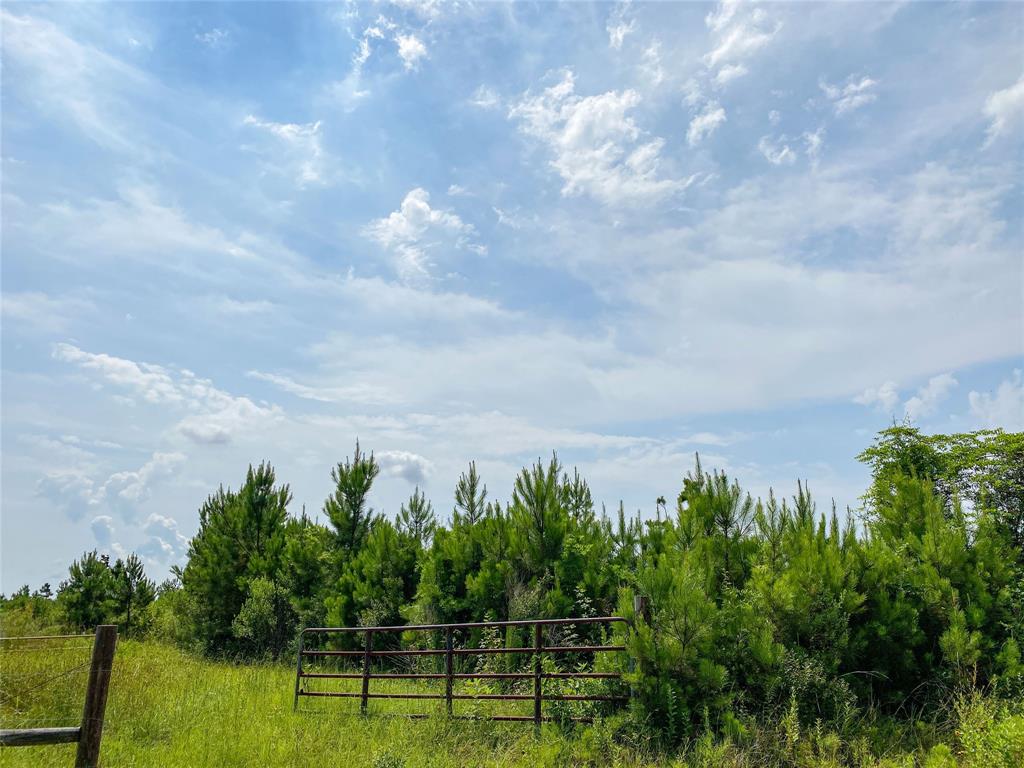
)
(773, 635)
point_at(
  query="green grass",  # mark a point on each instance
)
(168, 708)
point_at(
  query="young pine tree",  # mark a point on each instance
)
(133, 592)
(346, 508)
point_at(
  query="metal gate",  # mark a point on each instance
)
(450, 654)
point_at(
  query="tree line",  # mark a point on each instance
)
(754, 606)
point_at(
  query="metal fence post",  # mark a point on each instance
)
(88, 755)
(298, 668)
(367, 648)
(448, 669)
(538, 644)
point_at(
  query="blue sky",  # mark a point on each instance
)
(463, 231)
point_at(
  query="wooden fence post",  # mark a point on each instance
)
(96, 696)
(538, 644)
(367, 647)
(448, 669)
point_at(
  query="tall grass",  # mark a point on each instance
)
(168, 708)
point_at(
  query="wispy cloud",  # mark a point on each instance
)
(854, 94)
(703, 125)
(302, 143)
(1005, 111)
(619, 25)
(214, 415)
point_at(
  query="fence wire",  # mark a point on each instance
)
(36, 688)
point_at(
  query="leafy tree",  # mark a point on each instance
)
(265, 622)
(985, 468)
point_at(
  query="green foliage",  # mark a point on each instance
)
(241, 538)
(88, 596)
(766, 627)
(984, 467)
(346, 508)
(265, 622)
(416, 518)
(133, 593)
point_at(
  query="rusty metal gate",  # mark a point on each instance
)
(450, 653)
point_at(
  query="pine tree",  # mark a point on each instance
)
(346, 508)
(241, 538)
(470, 495)
(133, 591)
(416, 518)
(88, 596)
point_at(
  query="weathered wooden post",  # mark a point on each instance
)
(640, 607)
(367, 648)
(448, 669)
(538, 645)
(96, 696)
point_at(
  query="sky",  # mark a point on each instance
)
(627, 233)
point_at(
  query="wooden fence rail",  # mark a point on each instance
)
(536, 650)
(89, 734)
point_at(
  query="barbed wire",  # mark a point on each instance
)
(50, 679)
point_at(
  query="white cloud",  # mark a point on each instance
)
(410, 49)
(214, 38)
(410, 466)
(738, 32)
(776, 152)
(303, 145)
(729, 72)
(165, 544)
(650, 64)
(598, 148)
(1005, 111)
(152, 382)
(214, 416)
(774, 117)
(76, 83)
(813, 143)
(127, 491)
(137, 226)
(43, 312)
(885, 397)
(705, 124)
(929, 396)
(71, 490)
(349, 394)
(242, 308)
(485, 97)
(1004, 409)
(406, 233)
(619, 25)
(103, 530)
(855, 94)
(123, 492)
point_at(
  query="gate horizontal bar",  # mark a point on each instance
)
(471, 651)
(28, 737)
(468, 625)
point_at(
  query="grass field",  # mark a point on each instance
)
(168, 708)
